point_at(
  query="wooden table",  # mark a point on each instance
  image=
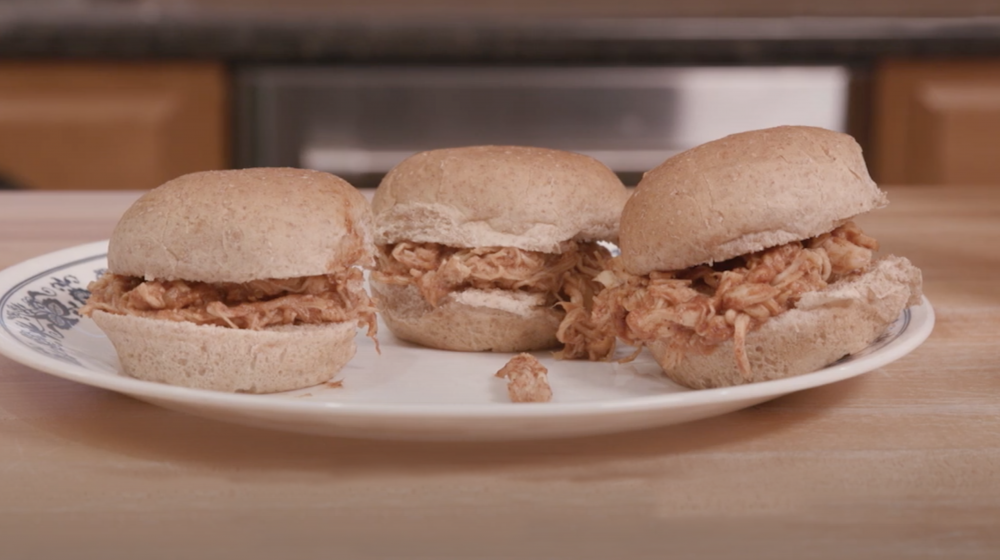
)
(903, 461)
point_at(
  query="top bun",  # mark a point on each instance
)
(243, 225)
(744, 193)
(506, 196)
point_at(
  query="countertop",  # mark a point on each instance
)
(901, 462)
(513, 31)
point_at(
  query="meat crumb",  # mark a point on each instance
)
(336, 384)
(527, 379)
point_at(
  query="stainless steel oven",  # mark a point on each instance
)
(359, 122)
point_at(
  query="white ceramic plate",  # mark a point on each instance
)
(407, 392)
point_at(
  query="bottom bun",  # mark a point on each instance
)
(468, 321)
(224, 359)
(823, 327)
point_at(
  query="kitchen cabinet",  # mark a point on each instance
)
(937, 122)
(101, 125)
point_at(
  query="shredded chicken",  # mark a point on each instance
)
(577, 331)
(695, 309)
(258, 304)
(527, 379)
(437, 270)
(567, 277)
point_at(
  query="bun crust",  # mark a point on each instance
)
(824, 327)
(506, 196)
(469, 321)
(744, 193)
(242, 225)
(222, 359)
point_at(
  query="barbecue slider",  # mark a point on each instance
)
(740, 261)
(485, 248)
(245, 281)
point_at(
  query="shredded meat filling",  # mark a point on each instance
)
(567, 278)
(695, 309)
(527, 379)
(331, 298)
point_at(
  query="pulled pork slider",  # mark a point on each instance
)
(243, 281)
(740, 261)
(485, 248)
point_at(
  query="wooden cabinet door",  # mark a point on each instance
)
(937, 122)
(95, 126)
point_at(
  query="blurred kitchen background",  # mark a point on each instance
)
(125, 94)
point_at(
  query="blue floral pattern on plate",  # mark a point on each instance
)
(43, 309)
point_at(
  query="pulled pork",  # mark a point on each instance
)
(695, 309)
(567, 278)
(331, 298)
(527, 379)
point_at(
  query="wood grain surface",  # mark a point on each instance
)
(903, 462)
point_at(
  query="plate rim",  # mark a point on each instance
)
(920, 325)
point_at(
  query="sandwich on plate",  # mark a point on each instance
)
(485, 248)
(741, 261)
(247, 281)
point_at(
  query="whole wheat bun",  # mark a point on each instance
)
(468, 321)
(823, 327)
(223, 359)
(504, 196)
(242, 225)
(744, 193)
(238, 226)
(534, 199)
